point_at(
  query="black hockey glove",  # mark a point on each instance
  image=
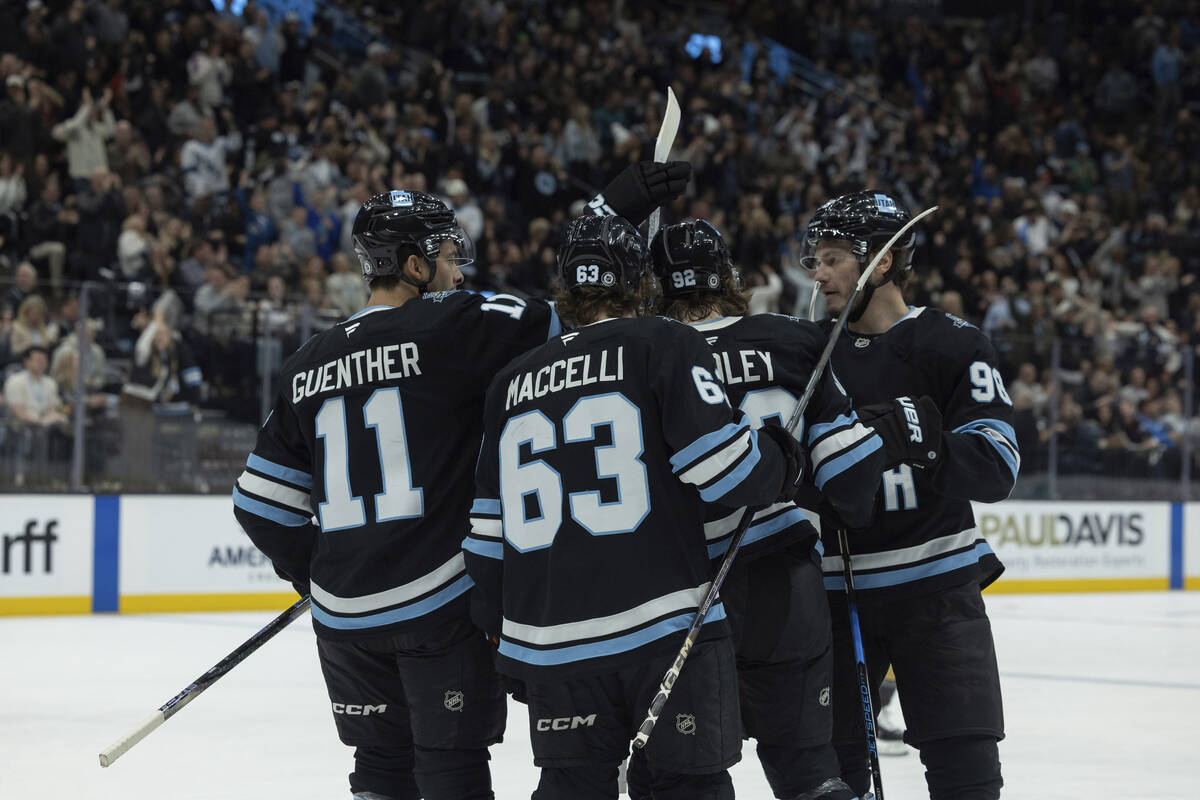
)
(911, 430)
(794, 456)
(640, 188)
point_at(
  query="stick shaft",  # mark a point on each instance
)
(693, 633)
(860, 665)
(193, 690)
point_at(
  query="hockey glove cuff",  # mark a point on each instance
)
(911, 430)
(640, 188)
(795, 459)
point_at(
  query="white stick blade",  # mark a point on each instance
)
(670, 127)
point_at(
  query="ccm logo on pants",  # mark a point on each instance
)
(358, 711)
(566, 723)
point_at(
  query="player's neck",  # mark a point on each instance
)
(886, 308)
(396, 296)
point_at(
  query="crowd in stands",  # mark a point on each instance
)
(201, 170)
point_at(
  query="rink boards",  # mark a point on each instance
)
(73, 554)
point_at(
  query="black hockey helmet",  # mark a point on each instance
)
(691, 257)
(866, 220)
(394, 225)
(605, 252)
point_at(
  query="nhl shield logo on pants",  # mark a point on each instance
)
(685, 724)
(453, 700)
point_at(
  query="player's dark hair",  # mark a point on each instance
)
(586, 304)
(901, 277)
(699, 305)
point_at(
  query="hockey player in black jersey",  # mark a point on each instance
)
(919, 569)
(587, 538)
(375, 433)
(777, 604)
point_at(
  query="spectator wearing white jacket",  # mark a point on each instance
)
(203, 159)
(85, 134)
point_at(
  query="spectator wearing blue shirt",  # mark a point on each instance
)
(259, 228)
(1164, 67)
(324, 222)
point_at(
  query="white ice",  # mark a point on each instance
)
(1101, 695)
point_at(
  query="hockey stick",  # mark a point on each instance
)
(172, 706)
(693, 633)
(860, 665)
(662, 149)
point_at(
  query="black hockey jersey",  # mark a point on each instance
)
(765, 361)
(587, 533)
(361, 479)
(924, 536)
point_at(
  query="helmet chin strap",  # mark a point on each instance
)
(421, 286)
(868, 291)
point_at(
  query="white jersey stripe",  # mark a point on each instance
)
(836, 442)
(486, 528)
(905, 556)
(682, 600)
(718, 462)
(271, 490)
(444, 574)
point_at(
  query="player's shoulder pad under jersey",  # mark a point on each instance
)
(942, 333)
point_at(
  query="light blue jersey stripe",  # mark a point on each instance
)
(431, 603)
(895, 577)
(1004, 452)
(1001, 427)
(821, 428)
(257, 462)
(556, 326)
(267, 511)
(739, 473)
(760, 531)
(487, 506)
(706, 443)
(620, 644)
(486, 549)
(845, 461)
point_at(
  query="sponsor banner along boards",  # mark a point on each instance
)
(1078, 546)
(46, 554)
(190, 554)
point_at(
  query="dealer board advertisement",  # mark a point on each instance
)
(190, 554)
(1078, 546)
(45, 554)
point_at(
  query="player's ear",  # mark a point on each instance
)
(414, 268)
(885, 265)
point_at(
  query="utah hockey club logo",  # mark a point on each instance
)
(453, 700)
(823, 697)
(685, 724)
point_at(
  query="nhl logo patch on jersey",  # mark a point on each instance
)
(453, 700)
(862, 342)
(685, 724)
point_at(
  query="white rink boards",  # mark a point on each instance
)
(1102, 698)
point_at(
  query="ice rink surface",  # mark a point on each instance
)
(1101, 693)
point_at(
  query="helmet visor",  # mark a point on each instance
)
(818, 250)
(450, 246)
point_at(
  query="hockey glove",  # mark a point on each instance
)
(640, 188)
(911, 430)
(795, 459)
